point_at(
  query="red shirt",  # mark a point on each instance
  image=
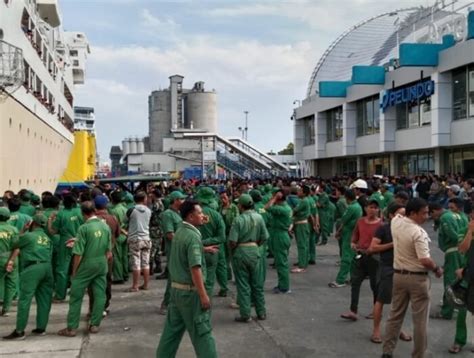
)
(364, 232)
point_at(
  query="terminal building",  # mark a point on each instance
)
(393, 95)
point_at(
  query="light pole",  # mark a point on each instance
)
(242, 132)
(246, 129)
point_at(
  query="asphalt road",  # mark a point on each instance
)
(302, 324)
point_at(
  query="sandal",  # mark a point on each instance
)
(455, 349)
(405, 337)
(66, 332)
(350, 316)
(142, 287)
(131, 289)
(376, 339)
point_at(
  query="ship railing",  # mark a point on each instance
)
(12, 73)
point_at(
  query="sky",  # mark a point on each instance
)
(257, 55)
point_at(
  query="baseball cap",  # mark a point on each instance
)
(101, 201)
(245, 200)
(4, 213)
(40, 219)
(176, 195)
(455, 188)
(360, 184)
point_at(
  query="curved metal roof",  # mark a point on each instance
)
(375, 41)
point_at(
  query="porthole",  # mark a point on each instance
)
(10, 122)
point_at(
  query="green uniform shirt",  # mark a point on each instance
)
(34, 246)
(341, 206)
(28, 209)
(249, 227)
(302, 210)
(19, 220)
(451, 230)
(313, 203)
(67, 223)
(229, 214)
(388, 197)
(213, 232)
(8, 240)
(260, 209)
(378, 197)
(120, 212)
(170, 221)
(94, 239)
(279, 217)
(350, 217)
(186, 252)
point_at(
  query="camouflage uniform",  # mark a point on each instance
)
(156, 236)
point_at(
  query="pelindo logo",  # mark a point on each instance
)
(407, 94)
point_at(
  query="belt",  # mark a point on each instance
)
(248, 244)
(452, 249)
(183, 287)
(301, 222)
(31, 263)
(405, 272)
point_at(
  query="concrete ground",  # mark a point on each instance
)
(302, 324)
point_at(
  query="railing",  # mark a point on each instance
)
(12, 72)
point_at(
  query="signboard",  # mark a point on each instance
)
(409, 94)
(209, 156)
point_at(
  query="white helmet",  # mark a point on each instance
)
(359, 184)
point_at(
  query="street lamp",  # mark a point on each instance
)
(242, 132)
(246, 125)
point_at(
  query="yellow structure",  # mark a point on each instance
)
(82, 162)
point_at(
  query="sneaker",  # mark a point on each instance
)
(334, 284)
(39, 332)
(277, 290)
(312, 262)
(15, 336)
(243, 319)
(262, 317)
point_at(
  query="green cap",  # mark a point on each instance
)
(245, 200)
(35, 199)
(127, 197)
(4, 213)
(174, 195)
(276, 190)
(40, 219)
(268, 188)
(256, 195)
(26, 196)
(206, 196)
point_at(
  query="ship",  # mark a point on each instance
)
(40, 64)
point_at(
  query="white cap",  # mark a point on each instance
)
(360, 184)
(455, 188)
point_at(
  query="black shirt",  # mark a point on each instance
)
(384, 234)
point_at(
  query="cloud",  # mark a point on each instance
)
(164, 28)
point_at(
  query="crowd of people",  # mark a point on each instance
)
(84, 241)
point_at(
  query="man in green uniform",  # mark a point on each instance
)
(246, 235)
(92, 248)
(279, 222)
(348, 222)
(213, 234)
(189, 304)
(51, 205)
(301, 214)
(36, 277)
(377, 196)
(387, 194)
(66, 223)
(8, 240)
(120, 266)
(229, 212)
(26, 207)
(170, 221)
(18, 219)
(259, 208)
(341, 207)
(314, 227)
(326, 211)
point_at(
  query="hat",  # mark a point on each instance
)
(276, 190)
(205, 195)
(4, 213)
(268, 188)
(175, 195)
(359, 184)
(101, 201)
(256, 195)
(40, 220)
(245, 200)
(455, 188)
(127, 197)
(35, 199)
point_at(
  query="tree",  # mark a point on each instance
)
(289, 150)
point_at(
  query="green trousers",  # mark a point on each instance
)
(262, 265)
(281, 249)
(452, 262)
(222, 273)
(346, 257)
(461, 328)
(117, 266)
(167, 296)
(302, 242)
(312, 244)
(249, 289)
(125, 260)
(211, 267)
(91, 273)
(35, 281)
(185, 314)
(10, 280)
(327, 226)
(63, 263)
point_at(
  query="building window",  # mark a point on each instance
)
(368, 116)
(416, 163)
(308, 128)
(459, 78)
(377, 165)
(347, 166)
(334, 124)
(413, 114)
(461, 161)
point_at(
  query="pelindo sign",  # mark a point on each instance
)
(413, 93)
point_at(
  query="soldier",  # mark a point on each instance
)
(156, 236)
(189, 303)
(247, 233)
(92, 248)
(8, 240)
(36, 277)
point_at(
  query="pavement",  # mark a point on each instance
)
(305, 323)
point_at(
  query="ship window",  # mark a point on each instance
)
(28, 132)
(27, 181)
(73, 53)
(10, 122)
(19, 182)
(10, 182)
(35, 134)
(19, 126)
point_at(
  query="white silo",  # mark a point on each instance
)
(133, 146)
(140, 146)
(201, 109)
(159, 117)
(125, 147)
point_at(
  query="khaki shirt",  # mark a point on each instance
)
(410, 244)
